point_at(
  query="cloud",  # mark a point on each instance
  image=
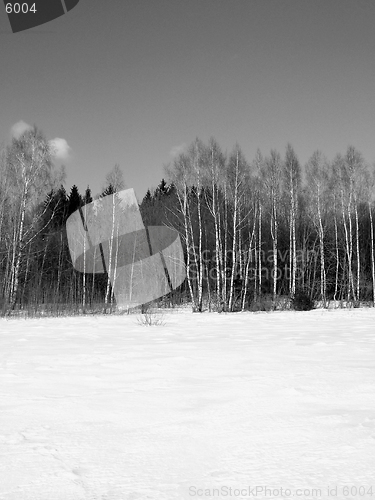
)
(61, 149)
(176, 150)
(19, 128)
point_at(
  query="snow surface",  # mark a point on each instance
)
(102, 408)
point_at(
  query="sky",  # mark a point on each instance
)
(134, 82)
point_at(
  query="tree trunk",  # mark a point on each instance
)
(337, 255)
(19, 250)
(357, 249)
(249, 260)
(234, 261)
(348, 250)
(260, 250)
(322, 261)
(372, 255)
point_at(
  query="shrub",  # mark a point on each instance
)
(151, 318)
(302, 302)
(282, 303)
(262, 304)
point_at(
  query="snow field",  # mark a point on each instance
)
(102, 408)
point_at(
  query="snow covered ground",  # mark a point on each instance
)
(206, 406)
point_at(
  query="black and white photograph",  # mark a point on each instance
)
(187, 249)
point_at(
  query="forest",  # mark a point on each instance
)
(257, 235)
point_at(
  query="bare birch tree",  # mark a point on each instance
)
(115, 183)
(370, 203)
(317, 182)
(292, 181)
(271, 178)
(214, 175)
(356, 171)
(180, 174)
(30, 169)
(238, 171)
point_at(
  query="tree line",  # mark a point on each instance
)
(274, 228)
(251, 231)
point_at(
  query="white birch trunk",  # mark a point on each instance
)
(372, 255)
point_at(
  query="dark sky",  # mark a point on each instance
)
(133, 81)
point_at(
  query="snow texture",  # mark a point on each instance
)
(103, 408)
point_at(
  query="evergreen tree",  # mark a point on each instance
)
(74, 201)
(148, 198)
(162, 189)
(108, 190)
(87, 198)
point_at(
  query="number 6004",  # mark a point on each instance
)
(17, 8)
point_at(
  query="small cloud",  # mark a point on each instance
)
(61, 149)
(176, 150)
(19, 128)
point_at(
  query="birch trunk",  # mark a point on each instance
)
(249, 260)
(372, 254)
(357, 250)
(234, 261)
